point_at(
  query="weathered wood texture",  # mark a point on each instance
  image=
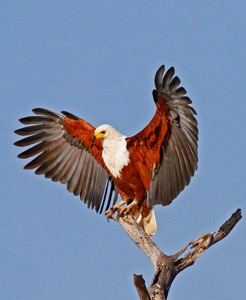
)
(167, 267)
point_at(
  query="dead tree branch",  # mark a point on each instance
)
(139, 283)
(167, 267)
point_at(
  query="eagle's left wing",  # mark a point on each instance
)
(65, 152)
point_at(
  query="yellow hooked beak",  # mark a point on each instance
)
(98, 135)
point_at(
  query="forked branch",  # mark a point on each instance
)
(167, 267)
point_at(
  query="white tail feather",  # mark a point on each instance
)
(148, 223)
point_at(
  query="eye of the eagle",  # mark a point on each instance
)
(103, 132)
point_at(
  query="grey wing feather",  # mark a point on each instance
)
(179, 150)
(64, 158)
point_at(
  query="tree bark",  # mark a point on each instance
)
(167, 267)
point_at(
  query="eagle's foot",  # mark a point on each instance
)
(117, 207)
(109, 213)
(124, 211)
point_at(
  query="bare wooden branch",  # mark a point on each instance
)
(168, 267)
(141, 239)
(139, 283)
(226, 228)
(202, 243)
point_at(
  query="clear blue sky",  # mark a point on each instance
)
(97, 59)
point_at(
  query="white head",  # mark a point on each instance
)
(106, 131)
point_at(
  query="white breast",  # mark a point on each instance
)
(115, 154)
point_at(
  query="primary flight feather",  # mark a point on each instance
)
(149, 168)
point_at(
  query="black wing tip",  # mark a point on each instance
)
(168, 84)
(19, 143)
(161, 69)
(24, 121)
(162, 78)
(17, 131)
(171, 70)
(39, 110)
(70, 115)
(155, 95)
(159, 75)
(21, 156)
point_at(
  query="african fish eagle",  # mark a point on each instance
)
(149, 168)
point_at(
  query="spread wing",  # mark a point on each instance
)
(165, 151)
(65, 152)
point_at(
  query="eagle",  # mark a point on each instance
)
(99, 164)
